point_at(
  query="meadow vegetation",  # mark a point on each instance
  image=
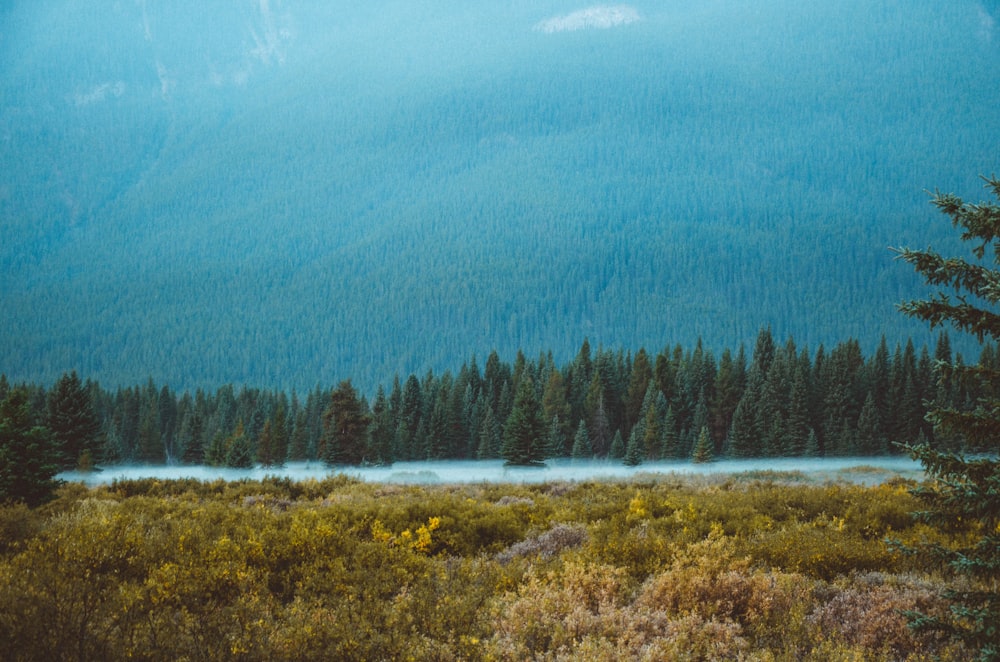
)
(756, 567)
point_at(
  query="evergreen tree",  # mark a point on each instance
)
(280, 433)
(669, 441)
(345, 427)
(524, 431)
(489, 436)
(729, 383)
(381, 432)
(194, 443)
(556, 406)
(797, 422)
(812, 444)
(72, 421)
(265, 446)
(869, 437)
(410, 416)
(651, 424)
(743, 433)
(298, 444)
(962, 489)
(215, 454)
(239, 452)
(150, 444)
(617, 449)
(555, 442)
(600, 428)
(639, 381)
(702, 451)
(582, 449)
(633, 450)
(29, 458)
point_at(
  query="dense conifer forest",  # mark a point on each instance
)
(271, 193)
(777, 400)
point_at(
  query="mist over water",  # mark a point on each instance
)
(866, 470)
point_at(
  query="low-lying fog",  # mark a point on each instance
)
(868, 470)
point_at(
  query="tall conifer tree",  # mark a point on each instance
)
(963, 489)
(524, 432)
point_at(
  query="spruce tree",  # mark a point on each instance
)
(555, 442)
(345, 427)
(961, 489)
(29, 458)
(215, 454)
(669, 441)
(582, 450)
(239, 452)
(617, 449)
(381, 432)
(72, 421)
(524, 431)
(279, 429)
(489, 436)
(194, 445)
(265, 445)
(702, 451)
(634, 449)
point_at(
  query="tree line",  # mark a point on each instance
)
(780, 400)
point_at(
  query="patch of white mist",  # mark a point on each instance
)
(599, 17)
(866, 470)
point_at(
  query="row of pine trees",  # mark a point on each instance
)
(779, 401)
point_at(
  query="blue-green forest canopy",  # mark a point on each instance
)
(288, 193)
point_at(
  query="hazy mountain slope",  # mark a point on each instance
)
(289, 192)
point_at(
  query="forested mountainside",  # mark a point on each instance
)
(780, 400)
(287, 193)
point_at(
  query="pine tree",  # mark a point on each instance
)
(651, 424)
(279, 430)
(555, 443)
(812, 444)
(381, 432)
(600, 428)
(555, 405)
(150, 443)
(703, 447)
(962, 489)
(194, 445)
(524, 431)
(215, 454)
(617, 449)
(239, 452)
(869, 438)
(635, 397)
(298, 444)
(29, 458)
(345, 427)
(669, 441)
(582, 450)
(265, 446)
(797, 422)
(633, 450)
(489, 436)
(742, 433)
(73, 423)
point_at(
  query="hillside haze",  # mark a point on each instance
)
(287, 192)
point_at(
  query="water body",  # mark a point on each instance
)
(866, 470)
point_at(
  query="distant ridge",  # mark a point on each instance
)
(284, 195)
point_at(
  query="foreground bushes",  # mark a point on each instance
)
(336, 569)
